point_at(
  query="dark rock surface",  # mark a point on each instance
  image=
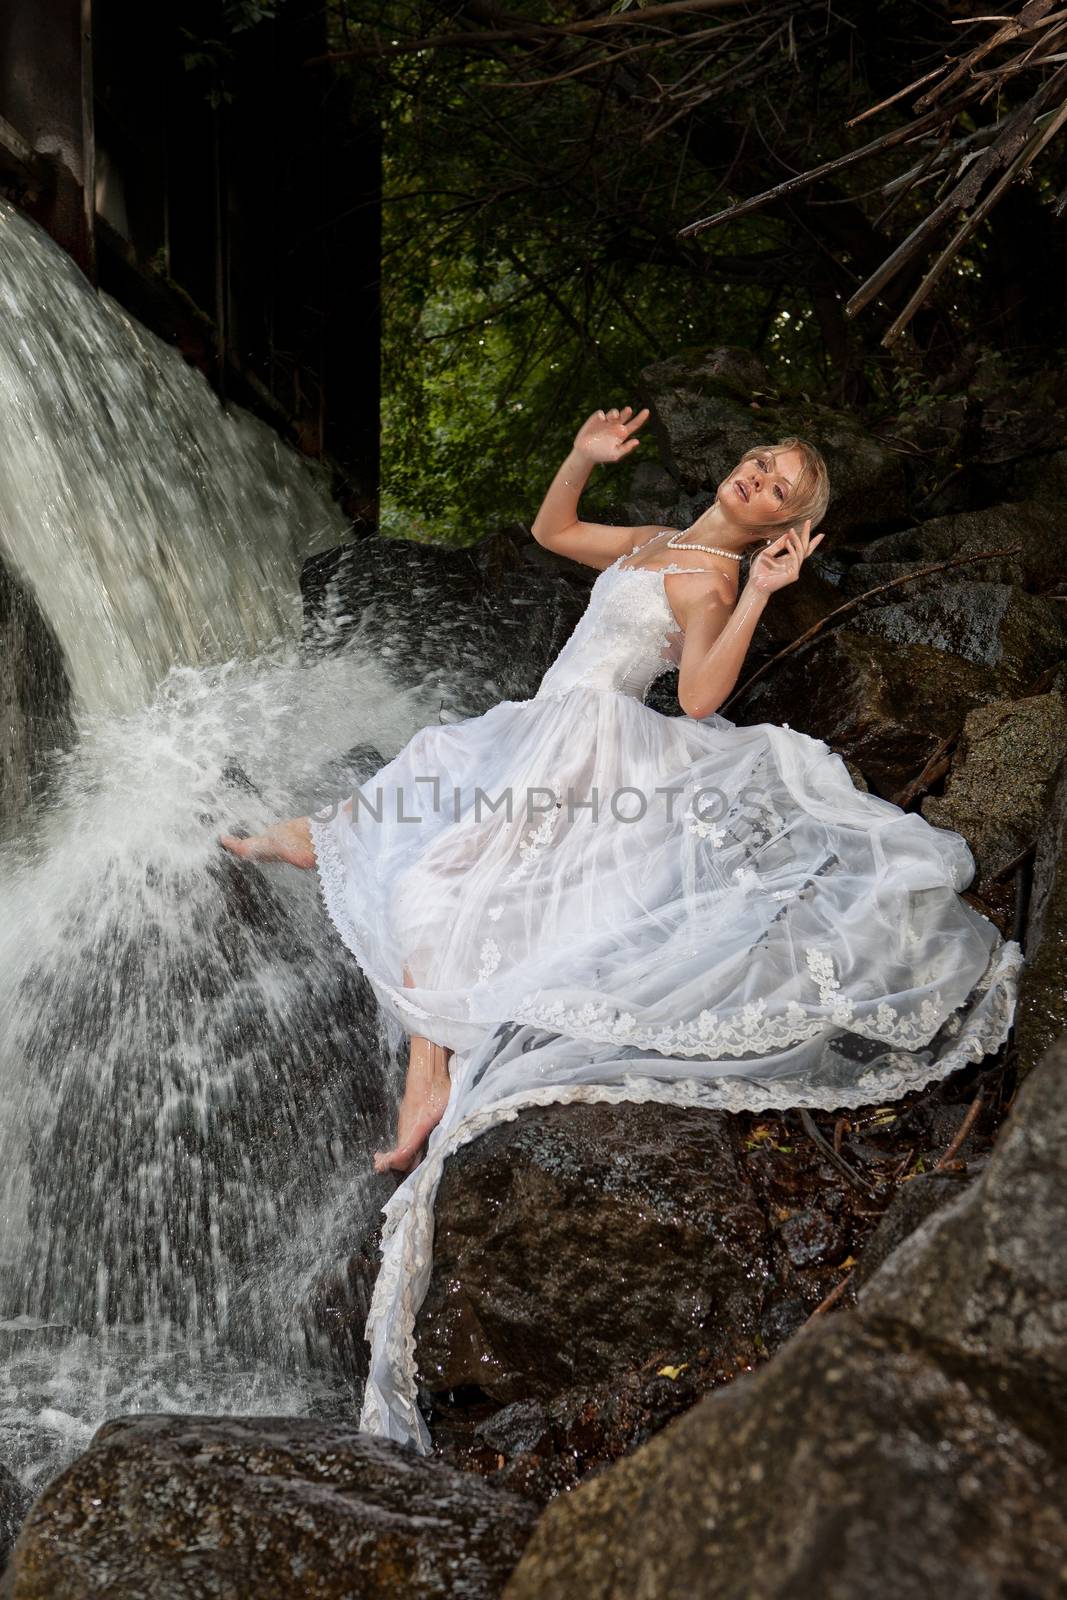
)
(14, 1504)
(597, 1269)
(486, 621)
(527, 1212)
(909, 1208)
(849, 1468)
(709, 407)
(1036, 527)
(994, 625)
(1001, 778)
(279, 1508)
(982, 1281)
(887, 707)
(1041, 1014)
(34, 699)
(913, 1446)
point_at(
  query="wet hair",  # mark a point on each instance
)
(811, 493)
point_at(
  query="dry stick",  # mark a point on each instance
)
(886, 141)
(851, 605)
(1012, 30)
(963, 1130)
(531, 30)
(831, 1154)
(834, 1296)
(900, 94)
(905, 796)
(965, 191)
(1014, 863)
(962, 234)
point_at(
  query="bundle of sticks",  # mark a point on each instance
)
(972, 169)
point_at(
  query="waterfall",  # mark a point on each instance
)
(154, 526)
(192, 1076)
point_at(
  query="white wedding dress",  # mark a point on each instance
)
(667, 909)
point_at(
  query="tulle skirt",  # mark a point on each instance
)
(686, 897)
(588, 901)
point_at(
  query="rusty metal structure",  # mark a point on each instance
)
(221, 190)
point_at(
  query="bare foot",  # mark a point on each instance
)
(421, 1110)
(285, 841)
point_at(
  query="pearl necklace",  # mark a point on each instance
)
(712, 549)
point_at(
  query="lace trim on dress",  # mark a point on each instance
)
(390, 1401)
(751, 1030)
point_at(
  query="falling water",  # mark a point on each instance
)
(191, 1074)
(154, 527)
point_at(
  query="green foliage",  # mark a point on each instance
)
(210, 55)
(534, 198)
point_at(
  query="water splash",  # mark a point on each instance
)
(194, 1073)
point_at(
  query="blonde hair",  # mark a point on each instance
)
(811, 493)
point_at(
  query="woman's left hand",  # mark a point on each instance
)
(779, 562)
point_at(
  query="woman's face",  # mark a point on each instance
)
(757, 490)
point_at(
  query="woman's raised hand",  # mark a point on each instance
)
(779, 562)
(609, 435)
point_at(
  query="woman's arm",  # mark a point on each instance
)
(604, 437)
(717, 637)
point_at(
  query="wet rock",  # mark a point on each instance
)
(600, 1268)
(913, 1202)
(282, 1508)
(979, 1281)
(994, 625)
(503, 608)
(709, 407)
(34, 701)
(887, 707)
(812, 1237)
(539, 1448)
(916, 1443)
(1044, 478)
(1035, 526)
(1001, 778)
(572, 1244)
(848, 1468)
(15, 1501)
(1041, 1014)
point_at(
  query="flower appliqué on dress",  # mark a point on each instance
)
(536, 841)
(489, 956)
(705, 829)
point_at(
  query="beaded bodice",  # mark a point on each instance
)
(626, 637)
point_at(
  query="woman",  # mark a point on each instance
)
(676, 892)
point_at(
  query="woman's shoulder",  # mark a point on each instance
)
(708, 582)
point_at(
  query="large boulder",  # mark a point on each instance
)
(850, 1468)
(1001, 779)
(913, 1203)
(887, 707)
(485, 621)
(983, 1284)
(516, 1304)
(1041, 1014)
(915, 1445)
(995, 625)
(598, 1268)
(709, 407)
(280, 1508)
(1036, 527)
